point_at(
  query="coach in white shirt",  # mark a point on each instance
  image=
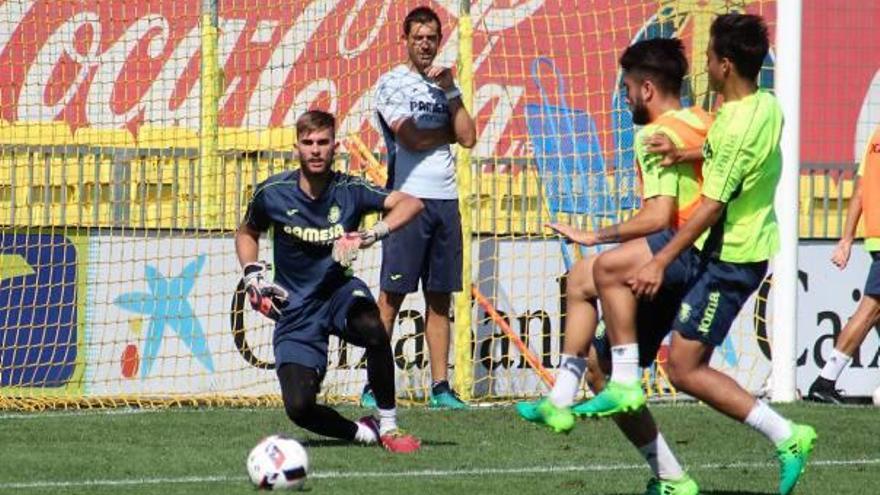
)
(421, 113)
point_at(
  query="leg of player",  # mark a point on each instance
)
(437, 335)
(866, 316)
(641, 431)
(389, 306)
(364, 328)
(299, 391)
(611, 273)
(690, 372)
(581, 318)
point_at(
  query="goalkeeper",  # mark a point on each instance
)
(314, 213)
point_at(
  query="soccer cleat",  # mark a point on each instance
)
(558, 419)
(528, 410)
(822, 390)
(399, 442)
(682, 486)
(373, 424)
(793, 455)
(443, 397)
(615, 399)
(368, 400)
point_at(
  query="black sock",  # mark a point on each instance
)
(299, 390)
(440, 387)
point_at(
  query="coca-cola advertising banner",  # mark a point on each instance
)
(130, 63)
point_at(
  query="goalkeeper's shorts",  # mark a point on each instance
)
(429, 248)
(302, 333)
(872, 285)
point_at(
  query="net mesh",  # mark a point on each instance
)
(119, 282)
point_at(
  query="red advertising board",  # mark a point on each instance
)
(128, 63)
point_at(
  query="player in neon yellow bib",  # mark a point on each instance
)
(653, 72)
(718, 258)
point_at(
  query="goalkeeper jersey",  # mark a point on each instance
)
(303, 229)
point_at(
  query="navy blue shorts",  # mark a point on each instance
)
(302, 333)
(872, 285)
(653, 322)
(428, 249)
(682, 271)
(715, 297)
(654, 318)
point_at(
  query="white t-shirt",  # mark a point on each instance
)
(401, 94)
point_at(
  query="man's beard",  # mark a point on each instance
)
(640, 113)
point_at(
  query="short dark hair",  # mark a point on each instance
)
(421, 15)
(743, 39)
(660, 60)
(315, 120)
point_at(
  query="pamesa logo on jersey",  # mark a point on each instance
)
(315, 235)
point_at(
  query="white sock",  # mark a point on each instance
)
(769, 423)
(661, 459)
(625, 363)
(364, 434)
(571, 370)
(387, 420)
(835, 365)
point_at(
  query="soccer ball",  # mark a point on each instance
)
(278, 463)
(877, 397)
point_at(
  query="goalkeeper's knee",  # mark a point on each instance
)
(364, 322)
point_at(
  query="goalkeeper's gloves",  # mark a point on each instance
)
(345, 249)
(376, 233)
(266, 297)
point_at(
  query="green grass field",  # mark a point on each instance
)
(487, 450)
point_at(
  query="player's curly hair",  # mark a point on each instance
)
(742, 39)
(661, 61)
(315, 120)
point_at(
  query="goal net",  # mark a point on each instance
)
(133, 132)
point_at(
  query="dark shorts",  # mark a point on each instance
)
(653, 323)
(712, 291)
(655, 318)
(302, 333)
(715, 298)
(872, 285)
(428, 248)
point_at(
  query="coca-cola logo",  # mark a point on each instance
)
(131, 63)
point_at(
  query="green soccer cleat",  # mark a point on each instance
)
(615, 399)
(558, 419)
(368, 400)
(682, 486)
(793, 455)
(446, 400)
(528, 410)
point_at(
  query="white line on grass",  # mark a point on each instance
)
(430, 473)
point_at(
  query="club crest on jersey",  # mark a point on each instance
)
(334, 214)
(707, 150)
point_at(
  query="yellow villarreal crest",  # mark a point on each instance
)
(334, 214)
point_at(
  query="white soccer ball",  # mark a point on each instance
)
(877, 397)
(278, 463)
